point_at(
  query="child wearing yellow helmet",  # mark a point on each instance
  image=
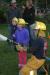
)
(21, 36)
(40, 28)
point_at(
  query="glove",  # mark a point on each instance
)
(19, 47)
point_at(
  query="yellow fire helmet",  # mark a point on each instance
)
(41, 33)
(22, 21)
(14, 21)
(39, 25)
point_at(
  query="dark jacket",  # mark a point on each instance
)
(38, 48)
(29, 15)
(13, 12)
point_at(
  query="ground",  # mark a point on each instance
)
(8, 56)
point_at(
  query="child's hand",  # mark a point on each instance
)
(20, 48)
(23, 48)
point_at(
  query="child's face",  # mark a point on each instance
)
(19, 25)
(14, 23)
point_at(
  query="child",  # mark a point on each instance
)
(22, 38)
(14, 23)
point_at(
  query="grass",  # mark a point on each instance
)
(8, 56)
